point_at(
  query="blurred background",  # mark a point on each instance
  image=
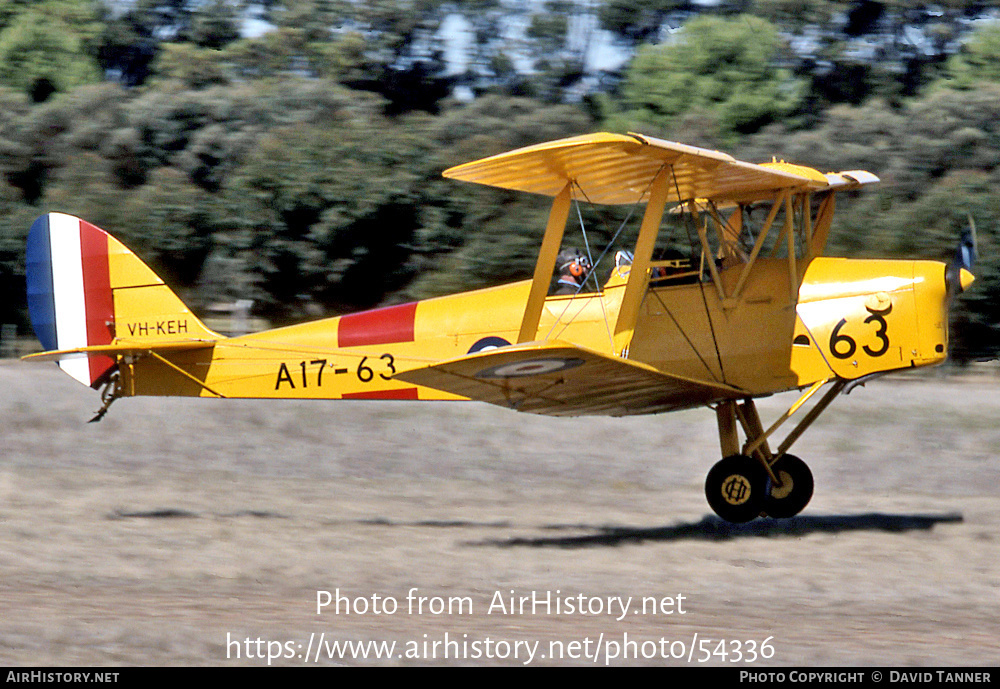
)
(277, 160)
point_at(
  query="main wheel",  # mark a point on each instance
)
(736, 488)
(795, 491)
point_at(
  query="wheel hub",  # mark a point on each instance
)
(785, 488)
(736, 489)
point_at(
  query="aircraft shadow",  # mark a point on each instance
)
(709, 528)
(177, 513)
(714, 529)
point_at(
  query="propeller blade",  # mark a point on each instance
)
(959, 273)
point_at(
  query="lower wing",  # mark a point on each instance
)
(558, 379)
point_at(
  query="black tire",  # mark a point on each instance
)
(736, 488)
(795, 491)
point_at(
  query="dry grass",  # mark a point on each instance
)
(149, 537)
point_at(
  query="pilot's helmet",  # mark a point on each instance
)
(573, 262)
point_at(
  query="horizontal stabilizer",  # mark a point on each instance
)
(559, 379)
(120, 348)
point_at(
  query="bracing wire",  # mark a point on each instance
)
(595, 263)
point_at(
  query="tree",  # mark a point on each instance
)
(941, 214)
(939, 161)
(192, 66)
(978, 61)
(131, 41)
(389, 47)
(723, 70)
(330, 214)
(637, 20)
(15, 219)
(47, 47)
(485, 236)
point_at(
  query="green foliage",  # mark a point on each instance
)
(939, 162)
(215, 24)
(353, 214)
(799, 13)
(192, 66)
(82, 16)
(721, 70)
(488, 236)
(267, 168)
(205, 23)
(908, 148)
(15, 219)
(978, 61)
(390, 47)
(852, 51)
(168, 221)
(336, 209)
(936, 220)
(289, 51)
(44, 47)
(131, 40)
(636, 19)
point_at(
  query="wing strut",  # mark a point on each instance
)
(546, 265)
(638, 278)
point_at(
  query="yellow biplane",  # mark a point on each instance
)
(753, 309)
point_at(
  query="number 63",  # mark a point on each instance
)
(844, 346)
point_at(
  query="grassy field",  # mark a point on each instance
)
(188, 531)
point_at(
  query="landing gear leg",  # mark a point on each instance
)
(752, 481)
(736, 487)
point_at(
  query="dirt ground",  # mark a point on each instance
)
(202, 532)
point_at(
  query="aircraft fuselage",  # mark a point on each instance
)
(850, 318)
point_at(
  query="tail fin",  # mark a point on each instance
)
(90, 297)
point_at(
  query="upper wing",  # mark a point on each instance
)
(618, 169)
(559, 379)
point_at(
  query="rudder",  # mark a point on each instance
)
(85, 289)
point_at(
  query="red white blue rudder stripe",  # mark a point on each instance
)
(70, 301)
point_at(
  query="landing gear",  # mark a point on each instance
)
(736, 488)
(740, 488)
(788, 498)
(752, 480)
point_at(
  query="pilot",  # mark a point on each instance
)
(572, 269)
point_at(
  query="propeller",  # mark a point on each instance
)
(959, 273)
